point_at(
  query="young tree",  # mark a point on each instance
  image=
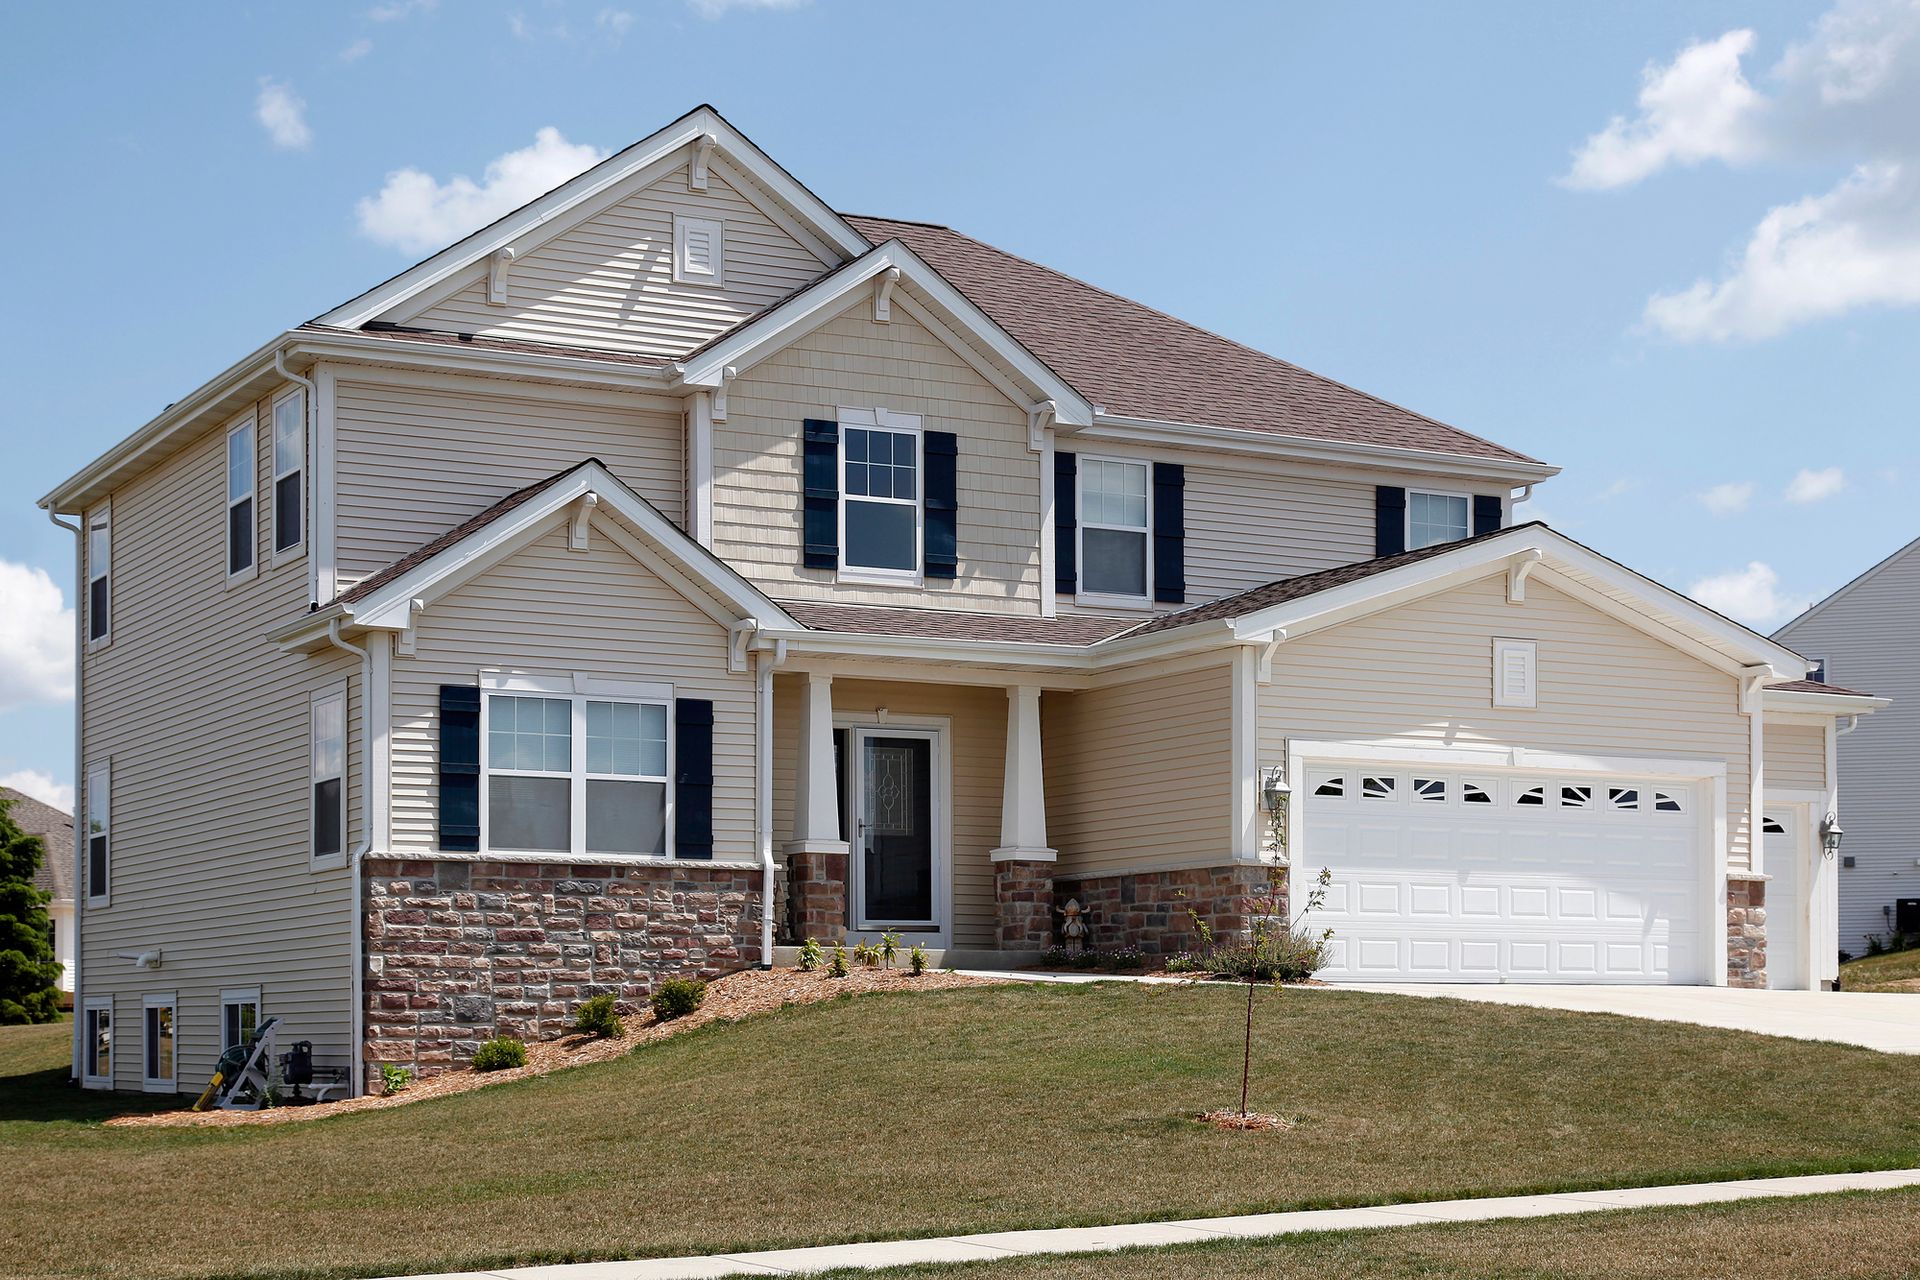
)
(29, 975)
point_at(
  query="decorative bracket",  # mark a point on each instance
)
(1263, 672)
(409, 637)
(1038, 416)
(497, 268)
(1752, 681)
(697, 166)
(883, 294)
(1518, 569)
(577, 537)
(727, 375)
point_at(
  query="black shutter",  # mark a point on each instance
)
(820, 477)
(1169, 533)
(460, 768)
(1486, 512)
(943, 505)
(1066, 501)
(693, 778)
(1389, 520)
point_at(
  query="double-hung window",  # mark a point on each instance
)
(240, 486)
(576, 768)
(96, 1044)
(99, 835)
(1113, 529)
(328, 771)
(1433, 518)
(880, 515)
(289, 473)
(99, 575)
(239, 1016)
(156, 1043)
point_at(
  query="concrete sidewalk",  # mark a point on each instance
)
(1013, 1244)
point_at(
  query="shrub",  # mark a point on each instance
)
(1088, 959)
(889, 947)
(678, 997)
(810, 955)
(598, 1017)
(1182, 963)
(837, 968)
(917, 960)
(1279, 954)
(1124, 958)
(393, 1079)
(500, 1053)
(1054, 957)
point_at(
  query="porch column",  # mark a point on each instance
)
(1022, 874)
(817, 862)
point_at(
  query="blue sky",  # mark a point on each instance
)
(1686, 309)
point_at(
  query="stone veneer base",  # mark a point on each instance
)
(1746, 933)
(1149, 910)
(459, 952)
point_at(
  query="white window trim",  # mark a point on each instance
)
(902, 423)
(682, 273)
(1407, 531)
(99, 781)
(100, 518)
(249, 425)
(1102, 599)
(298, 549)
(228, 998)
(160, 1084)
(338, 689)
(98, 1004)
(1531, 649)
(580, 689)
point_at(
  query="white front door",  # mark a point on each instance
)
(1785, 863)
(1500, 875)
(896, 805)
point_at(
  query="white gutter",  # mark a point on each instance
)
(79, 783)
(356, 947)
(765, 660)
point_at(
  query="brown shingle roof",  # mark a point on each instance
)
(1817, 686)
(55, 829)
(953, 624)
(1134, 361)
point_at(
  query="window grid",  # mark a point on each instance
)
(880, 498)
(1434, 518)
(614, 755)
(1114, 519)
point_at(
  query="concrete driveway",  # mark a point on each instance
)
(1889, 1022)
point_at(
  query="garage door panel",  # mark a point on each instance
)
(1592, 884)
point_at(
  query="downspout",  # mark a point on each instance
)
(764, 662)
(356, 946)
(79, 782)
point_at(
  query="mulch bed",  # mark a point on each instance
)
(1252, 1121)
(736, 996)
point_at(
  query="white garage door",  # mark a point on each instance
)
(1449, 876)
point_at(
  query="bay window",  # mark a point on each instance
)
(880, 514)
(1113, 529)
(580, 771)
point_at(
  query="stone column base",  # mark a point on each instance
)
(1746, 933)
(1023, 900)
(817, 895)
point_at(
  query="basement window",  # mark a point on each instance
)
(156, 1043)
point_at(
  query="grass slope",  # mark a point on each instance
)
(990, 1108)
(1896, 971)
(1863, 1236)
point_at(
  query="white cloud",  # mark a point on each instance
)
(357, 50)
(1729, 498)
(615, 22)
(416, 213)
(41, 786)
(36, 638)
(396, 10)
(1751, 595)
(1816, 486)
(1698, 107)
(715, 9)
(283, 114)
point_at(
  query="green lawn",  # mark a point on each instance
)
(1896, 971)
(975, 1109)
(1867, 1236)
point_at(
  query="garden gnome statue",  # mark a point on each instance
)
(1072, 928)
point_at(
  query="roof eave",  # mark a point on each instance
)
(1833, 704)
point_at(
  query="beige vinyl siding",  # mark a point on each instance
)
(976, 760)
(1422, 675)
(1139, 775)
(902, 367)
(608, 282)
(206, 728)
(1796, 756)
(417, 457)
(552, 611)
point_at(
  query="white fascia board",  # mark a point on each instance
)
(785, 324)
(614, 170)
(401, 354)
(1085, 659)
(1189, 435)
(1824, 705)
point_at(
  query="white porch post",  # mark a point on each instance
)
(1023, 795)
(816, 807)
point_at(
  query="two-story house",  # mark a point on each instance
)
(678, 568)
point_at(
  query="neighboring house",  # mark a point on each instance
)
(677, 568)
(55, 876)
(1867, 635)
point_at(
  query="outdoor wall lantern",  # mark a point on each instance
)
(1831, 834)
(1274, 790)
